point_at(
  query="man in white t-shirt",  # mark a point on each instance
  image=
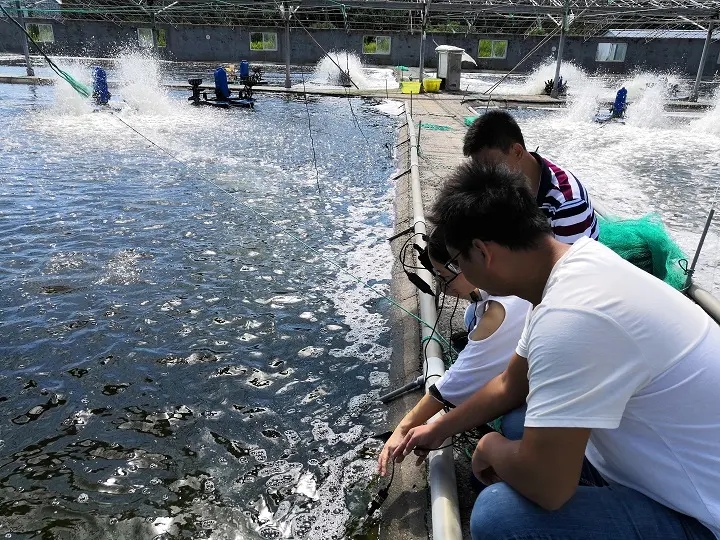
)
(612, 360)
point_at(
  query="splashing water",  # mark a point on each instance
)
(535, 83)
(327, 73)
(135, 79)
(647, 110)
(140, 77)
(583, 95)
(710, 121)
(67, 99)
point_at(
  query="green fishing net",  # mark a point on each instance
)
(645, 243)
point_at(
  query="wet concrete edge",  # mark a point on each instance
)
(406, 511)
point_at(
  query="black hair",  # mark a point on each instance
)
(495, 129)
(436, 245)
(490, 203)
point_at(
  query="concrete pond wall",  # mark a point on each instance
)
(231, 44)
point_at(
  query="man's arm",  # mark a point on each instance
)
(544, 466)
(502, 394)
(426, 408)
(573, 220)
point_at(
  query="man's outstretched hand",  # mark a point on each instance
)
(420, 440)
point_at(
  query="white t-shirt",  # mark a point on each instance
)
(482, 360)
(616, 350)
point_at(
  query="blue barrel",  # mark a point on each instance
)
(101, 95)
(244, 69)
(221, 84)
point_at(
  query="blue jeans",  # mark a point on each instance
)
(512, 426)
(593, 513)
(597, 511)
(513, 423)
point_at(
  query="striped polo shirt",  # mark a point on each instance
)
(565, 202)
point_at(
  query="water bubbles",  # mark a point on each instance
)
(269, 532)
(292, 437)
(313, 462)
(209, 485)
(310, 352)
(83, 498)
(379, 378)
(156, 481)
(259, 454)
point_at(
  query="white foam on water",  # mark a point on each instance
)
(368, 259)
(390, 107)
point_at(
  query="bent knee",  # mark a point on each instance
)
(496, 514)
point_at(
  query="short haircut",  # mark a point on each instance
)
(436, 245)
(495, 129)
(490, 203)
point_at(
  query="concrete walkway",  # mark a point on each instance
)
(494, 100)
(441, 122)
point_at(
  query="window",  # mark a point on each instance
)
(611, 52)
(40, 33)
(145, 38)
(492, 48)
(376, 45)
(263, 41)
(161, 37)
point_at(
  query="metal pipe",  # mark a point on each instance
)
(561, 46)
(26, 50)
(441, 469)
(701, 67)
(709, 303)
(691, 270)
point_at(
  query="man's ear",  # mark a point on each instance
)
(482, 249)
(517, 151)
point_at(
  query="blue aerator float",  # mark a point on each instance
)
(223, 95)
(618, 109)
(100, 93)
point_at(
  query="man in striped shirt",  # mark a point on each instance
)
(495, 137)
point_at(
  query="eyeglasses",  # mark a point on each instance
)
(442, 278)
(453, 266)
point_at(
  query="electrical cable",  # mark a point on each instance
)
(79, 87)
(312, 140)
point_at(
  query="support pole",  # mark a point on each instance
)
(26, 51)
(703, 58)
(561, 46)
(425, 16)
(287, 12)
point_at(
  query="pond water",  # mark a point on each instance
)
(181, 355)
